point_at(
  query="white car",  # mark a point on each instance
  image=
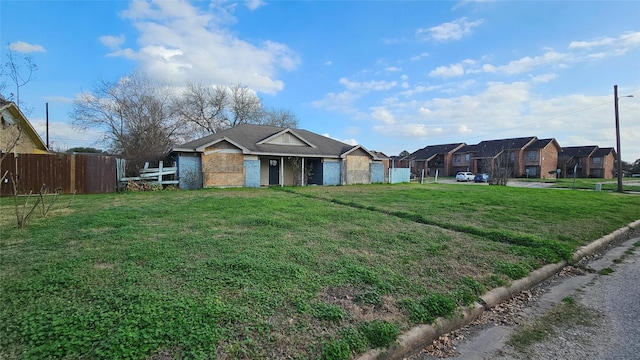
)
(464, 176)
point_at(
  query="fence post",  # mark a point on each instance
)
(72, 173)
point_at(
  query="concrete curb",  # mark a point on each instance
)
(419, 337)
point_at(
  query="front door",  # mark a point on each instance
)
(274, 172)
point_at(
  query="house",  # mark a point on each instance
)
(525, 156)
(17, 135)
(603, 163)
(490, 154)
(256, 155)
(462, 159)
(587, 161)
(432, 159)
(541, 159)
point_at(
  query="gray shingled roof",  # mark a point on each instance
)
(248, 136)
(603, 152)
(430, 151)
(494, 147)
(578, 151)
(541, 143)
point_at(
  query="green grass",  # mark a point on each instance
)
(631, 184)
(264, 273)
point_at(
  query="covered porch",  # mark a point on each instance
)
(291, 171)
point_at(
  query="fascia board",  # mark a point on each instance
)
(287, 130)
(346, 153)
(293, 155)
(204, 146)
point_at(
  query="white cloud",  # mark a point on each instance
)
(24, 47)
(352, 142)
(367, 85)
(112, 42)
(450, 31)
(383, 115)
(550, 58)
(340, 102)
(254, 4)
(593, 43)
(448, 71)
(544, 78)
(406, 130)
(180, 43)
(63, 136)
(419, 57)
(393, 69)
(418, 90)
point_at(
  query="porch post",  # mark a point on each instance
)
(281, 180)
(302, 170)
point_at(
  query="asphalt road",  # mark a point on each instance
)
(615, 298)
(619, 297)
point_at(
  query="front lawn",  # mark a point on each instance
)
(309, 272)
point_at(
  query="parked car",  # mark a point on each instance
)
(481, 177)
(464, 176)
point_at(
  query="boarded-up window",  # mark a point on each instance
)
(358, 169)
(223, 169)
(223, 162)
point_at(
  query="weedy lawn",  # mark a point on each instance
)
(309, 272)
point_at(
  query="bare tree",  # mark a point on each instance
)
(20, 71)
(502, 166)
(203, 107)
(280, 118)
(135, 116)
(245, 106)
(210, 109)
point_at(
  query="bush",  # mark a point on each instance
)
(380, 333)
(512, 270)
(427, 309)
(336, 350)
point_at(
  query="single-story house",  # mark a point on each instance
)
(257, 155)
(17, 135)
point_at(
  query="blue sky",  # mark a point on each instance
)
(390, 75)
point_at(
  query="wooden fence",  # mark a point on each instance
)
(67, 173)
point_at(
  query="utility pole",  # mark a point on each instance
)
(615, 109)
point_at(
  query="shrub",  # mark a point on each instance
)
(427, 309)
(380, 333)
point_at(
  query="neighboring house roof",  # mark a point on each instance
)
(491, 148)
(10, 114)
(543, 143)
(578, 151)
(604, 152)
(380, 155)
(467, 149)
(428, 152)
(275, 141)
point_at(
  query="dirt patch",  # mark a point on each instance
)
(383, 308)
(103, 266)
